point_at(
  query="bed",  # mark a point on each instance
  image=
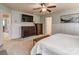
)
(58, 44)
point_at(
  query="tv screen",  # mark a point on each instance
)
(27, 18)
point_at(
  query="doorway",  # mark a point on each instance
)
(6, 25)
(39, 29)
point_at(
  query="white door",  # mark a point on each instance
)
(48, 25)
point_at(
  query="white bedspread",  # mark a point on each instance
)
(58, 44)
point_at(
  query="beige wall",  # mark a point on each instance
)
(1, 31)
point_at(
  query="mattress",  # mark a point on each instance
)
(58, 44)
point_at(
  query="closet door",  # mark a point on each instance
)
(48, 25)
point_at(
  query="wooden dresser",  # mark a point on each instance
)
(27, 31)
(39, 38)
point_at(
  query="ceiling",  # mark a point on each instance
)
(28, 7)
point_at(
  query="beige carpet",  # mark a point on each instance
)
(18, 47)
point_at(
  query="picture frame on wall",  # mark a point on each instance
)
(70, 18)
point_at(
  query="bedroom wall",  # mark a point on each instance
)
(68, 28)
(1, 31)
(1, 28)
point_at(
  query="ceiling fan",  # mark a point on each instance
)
(44, 7)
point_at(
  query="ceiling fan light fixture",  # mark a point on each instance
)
(44, 9)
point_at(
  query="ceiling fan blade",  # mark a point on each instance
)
(40, 10)
(36, 8)
(48, 10)
(51, 6)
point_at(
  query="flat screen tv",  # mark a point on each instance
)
(27, 18)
